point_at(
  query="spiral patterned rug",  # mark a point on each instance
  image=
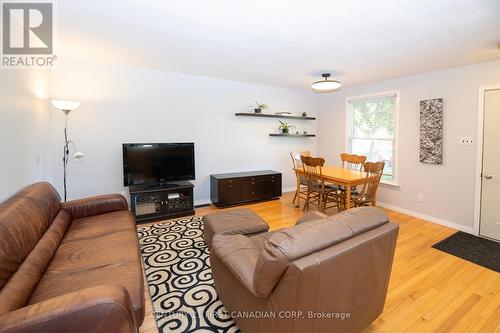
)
(177, 265)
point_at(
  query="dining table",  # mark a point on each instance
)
(348, 178)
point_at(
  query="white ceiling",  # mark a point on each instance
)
(282, 42)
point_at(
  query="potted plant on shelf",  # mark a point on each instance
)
(260, 107)
(284, 127)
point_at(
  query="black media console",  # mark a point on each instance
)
(242, 187)
(162, 202)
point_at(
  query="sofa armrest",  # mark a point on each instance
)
(239, 255)
(311, 216)
(95, 205)
(105, 308)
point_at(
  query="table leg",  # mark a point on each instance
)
(348, 197)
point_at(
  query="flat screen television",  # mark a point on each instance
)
(152, 164)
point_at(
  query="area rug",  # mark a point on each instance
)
(177, 265)
(475, 249)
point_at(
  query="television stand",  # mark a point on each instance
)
(164, 186)
(166, 201)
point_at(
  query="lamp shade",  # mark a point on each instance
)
(326, 85)
(65, 106)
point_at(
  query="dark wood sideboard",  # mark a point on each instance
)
(242, 187)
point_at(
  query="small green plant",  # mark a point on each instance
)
(284, 127)
(260, 106)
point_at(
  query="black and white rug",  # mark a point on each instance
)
(177, 265)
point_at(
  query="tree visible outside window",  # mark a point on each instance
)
(372, 130)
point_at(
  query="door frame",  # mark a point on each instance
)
(479, 155)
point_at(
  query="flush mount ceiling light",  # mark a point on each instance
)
(326, 85)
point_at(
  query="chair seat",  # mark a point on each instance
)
(361, 198)
(333, 186)
(317, 188)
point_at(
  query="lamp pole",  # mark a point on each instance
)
(66, 107)
(66, 152)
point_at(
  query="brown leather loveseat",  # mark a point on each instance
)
(69, 267)
(326, 274)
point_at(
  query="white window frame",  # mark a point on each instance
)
(395, 179)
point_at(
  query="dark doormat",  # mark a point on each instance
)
(475, 249)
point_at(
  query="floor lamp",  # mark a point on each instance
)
(67, 107)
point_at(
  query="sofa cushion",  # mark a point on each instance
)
(239, 254)
(45, 196)
(24, 218)
(304, 239)
(101, 225)
(239, 221)
(293, 243)
(96, 250)
(260, 240)
(311, 216)
(17, 290)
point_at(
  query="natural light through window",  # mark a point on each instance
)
(372, 129)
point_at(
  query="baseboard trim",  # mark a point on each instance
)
(428, 218)
(206, 202)
(201, 203)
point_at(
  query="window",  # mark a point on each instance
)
(372, 130)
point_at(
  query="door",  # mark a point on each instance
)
(490, 191)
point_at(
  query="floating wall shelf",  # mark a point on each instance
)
(271, 115)
(294, 135)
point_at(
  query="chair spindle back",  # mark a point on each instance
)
(312, 169)
(373, 175)
(352, 161)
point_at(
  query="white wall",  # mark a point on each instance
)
(23, 128)
(448, 189)
(127, 104)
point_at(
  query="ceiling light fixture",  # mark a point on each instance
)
(326, 85)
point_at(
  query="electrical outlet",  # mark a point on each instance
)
(465, 141)
(420, 197)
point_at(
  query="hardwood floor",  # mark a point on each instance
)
(429, 291)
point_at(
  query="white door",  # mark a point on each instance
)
(490, 196)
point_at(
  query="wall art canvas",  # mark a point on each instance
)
(431, 131)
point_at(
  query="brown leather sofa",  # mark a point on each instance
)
(69, 267)
(326, 274)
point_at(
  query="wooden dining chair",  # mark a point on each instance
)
(301, 190)
(352, 161)
(317, 191)
(368, 193)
